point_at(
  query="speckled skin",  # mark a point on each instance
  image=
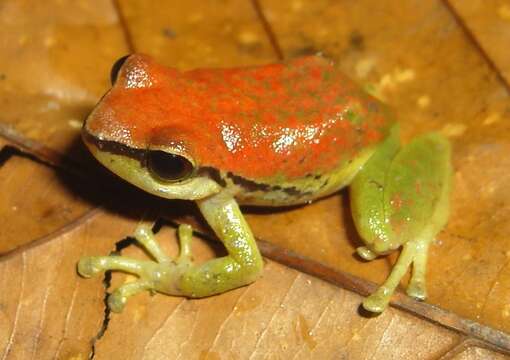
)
(288, 125)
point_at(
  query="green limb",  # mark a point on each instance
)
(417, 285)
(401, 199)
(367, 198)
(412, 253)
(242, 265)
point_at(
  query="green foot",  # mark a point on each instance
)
(366, 253)
(162, 275)
(417, 290)
(378, 301)
(413, 253)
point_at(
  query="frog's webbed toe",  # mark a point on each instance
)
(160, 275)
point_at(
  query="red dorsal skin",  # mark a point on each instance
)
(284, 120)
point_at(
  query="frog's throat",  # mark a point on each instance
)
(127, 163)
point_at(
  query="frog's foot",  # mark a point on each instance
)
(161, 275)
(366, 253)
(415, 253)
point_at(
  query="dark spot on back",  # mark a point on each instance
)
(169, 33)
(306, 50)
(357, 40)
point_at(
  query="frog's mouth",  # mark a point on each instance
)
(130, 164)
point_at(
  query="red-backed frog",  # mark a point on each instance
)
(272, 135)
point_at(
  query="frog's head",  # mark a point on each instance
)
(129, 133)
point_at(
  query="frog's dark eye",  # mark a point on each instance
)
(168, 167)
(114, 73)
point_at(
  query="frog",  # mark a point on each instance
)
(280, 134)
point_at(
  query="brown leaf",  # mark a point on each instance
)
(422, 62)
(284, 313)
(197, 33)
(55, 64)
(414, 54)
(36, 200)
(489, 23)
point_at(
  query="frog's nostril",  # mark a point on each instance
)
(114, 73)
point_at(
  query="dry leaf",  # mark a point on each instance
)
(413, 54)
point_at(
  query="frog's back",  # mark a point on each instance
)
(285, 126)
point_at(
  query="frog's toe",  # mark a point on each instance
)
(117, 302)
(118, 299)
(378, 301)
(89, 266)
(185, 235)
(417, 290)
(366, 253)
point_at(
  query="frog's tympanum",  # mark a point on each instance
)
(273, 135)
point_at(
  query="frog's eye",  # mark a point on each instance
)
(168, 167)
(114, 73)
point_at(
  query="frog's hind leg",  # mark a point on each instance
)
(400, 199)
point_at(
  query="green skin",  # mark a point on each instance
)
(399, 197)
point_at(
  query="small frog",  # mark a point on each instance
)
(273, 135)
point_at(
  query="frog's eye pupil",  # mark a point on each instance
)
(114, 73)
(168, 167)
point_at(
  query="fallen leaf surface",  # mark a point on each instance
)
(425, 65)
(415, 55)
(489, 24)
(36, 200)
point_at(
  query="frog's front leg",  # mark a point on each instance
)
(241, 266)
